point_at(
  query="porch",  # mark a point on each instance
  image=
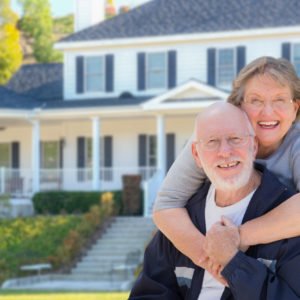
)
(18, 183)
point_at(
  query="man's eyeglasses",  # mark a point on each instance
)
(214, 143)
(277, 104)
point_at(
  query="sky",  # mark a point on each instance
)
(65, 7)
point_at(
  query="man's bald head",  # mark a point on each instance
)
(219, 114)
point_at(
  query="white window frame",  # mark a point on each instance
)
(228, 85)
(99, 74)
(165, 70)
(294, 61)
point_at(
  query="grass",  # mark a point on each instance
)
(37, 295)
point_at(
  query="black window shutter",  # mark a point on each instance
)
(241, 58)
(172, 69)
(286, 51)
(109, 73)
(170, 150)
(211, 66)
(15, 151)
(142, 150)
(80, 157)
(108, 151)
(108, 157)
(79, 74)
(141, 71)
(61, 153)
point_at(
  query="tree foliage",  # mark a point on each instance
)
(37, 23)
(10, 49)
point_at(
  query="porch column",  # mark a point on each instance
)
(161, 144)
(96, 153)
(35, 155)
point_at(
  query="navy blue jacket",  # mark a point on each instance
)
(269, 272)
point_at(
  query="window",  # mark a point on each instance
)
(296, 58)
(50, 155)
(89, 152)
(226, 68)
(94, 74)
(156, 70)
(106, 173)
(5, 152)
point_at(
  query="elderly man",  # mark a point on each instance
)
(225, 148)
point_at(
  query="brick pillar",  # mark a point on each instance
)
(131, 195)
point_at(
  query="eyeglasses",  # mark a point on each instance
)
(277, 104)
(214, 143)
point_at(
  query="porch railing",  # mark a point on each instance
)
(19, 182)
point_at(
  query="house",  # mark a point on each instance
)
(125, 98)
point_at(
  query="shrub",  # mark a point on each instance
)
(55, 239)
(55, 202)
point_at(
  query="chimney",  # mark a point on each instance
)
(88, 13)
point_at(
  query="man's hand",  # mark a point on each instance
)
(214, 269)
(222, 242)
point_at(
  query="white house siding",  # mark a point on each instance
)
(125, 133)
(191, 61)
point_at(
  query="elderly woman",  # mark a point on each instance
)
(268, 90)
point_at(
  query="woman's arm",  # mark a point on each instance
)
(280, 223)
(283, 221)
(182, 181)
(177, 226)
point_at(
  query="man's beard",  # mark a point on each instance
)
(234, 182)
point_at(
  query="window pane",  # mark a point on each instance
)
(94, 74)
(226, 67)
(156, 70)
(156, 60)
(50, 155)
(89, 152)
(94, 65)
(156, 80)
(296, 58)
(5, 155)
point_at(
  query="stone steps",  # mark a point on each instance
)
(124, 235)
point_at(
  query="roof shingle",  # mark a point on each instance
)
(171, 17)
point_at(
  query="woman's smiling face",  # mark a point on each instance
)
(271, 110)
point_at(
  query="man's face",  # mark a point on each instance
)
(225, 149)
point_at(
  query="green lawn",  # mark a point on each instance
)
(22, 295)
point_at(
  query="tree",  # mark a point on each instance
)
(37, 23)
(10, 50)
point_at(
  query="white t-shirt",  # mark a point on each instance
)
(211, 288)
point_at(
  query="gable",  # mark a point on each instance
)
(191, 94)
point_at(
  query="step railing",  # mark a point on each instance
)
(150, 188)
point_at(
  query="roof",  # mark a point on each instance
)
(169, 17)
(12, 100)
(38, 81)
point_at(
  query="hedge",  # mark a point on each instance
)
(56, 202)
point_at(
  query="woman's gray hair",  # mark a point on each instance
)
(281, 70)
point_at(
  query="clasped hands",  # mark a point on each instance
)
(220, 245)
